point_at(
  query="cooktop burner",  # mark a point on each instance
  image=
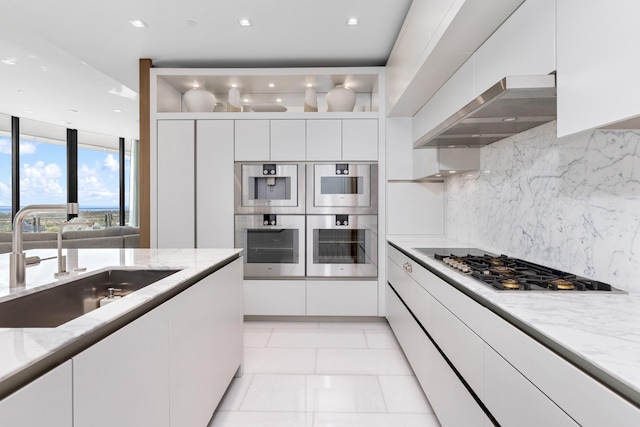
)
(505, 273)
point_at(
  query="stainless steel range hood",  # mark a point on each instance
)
(511, 106)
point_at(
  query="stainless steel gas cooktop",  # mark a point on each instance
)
(502, 272)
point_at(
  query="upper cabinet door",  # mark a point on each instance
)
(598, 63)
(252, 140)
(288, 140)
(360, 139)
(176, 184)
(324, 140)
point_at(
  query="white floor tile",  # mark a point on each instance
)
(261, 419)
(260, 324)
(344, 393)
(235, 393)
(381, 338)
(283, 393)
(318, 338)
(384, 361)
(324, 419)
(403, 394)
(256, 337)
(374, 324)
(279, 360)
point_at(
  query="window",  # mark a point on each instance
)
(43, 176)
(5, 172)
(99, 178)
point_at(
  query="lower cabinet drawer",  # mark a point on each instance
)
(274, 297)
(451, 402)
(514, 401)
(342, 297)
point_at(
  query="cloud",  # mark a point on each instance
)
(5, 145)
(111, 163)
(40, 183)
(27, 147)
(5, 191)
(91, 190)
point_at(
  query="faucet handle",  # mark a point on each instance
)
(112, 290)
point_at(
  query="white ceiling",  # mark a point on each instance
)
(82, 55)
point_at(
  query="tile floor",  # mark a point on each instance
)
(323, 374)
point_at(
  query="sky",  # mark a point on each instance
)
(43, 175)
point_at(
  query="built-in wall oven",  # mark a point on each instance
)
(276, 188)
(342, 245)
(336, 188)
(274, 245)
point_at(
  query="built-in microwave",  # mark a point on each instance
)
(271, 188)
(274, 245)
(342, 245)
(338, 188)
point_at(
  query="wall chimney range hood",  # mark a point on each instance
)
(511, 106)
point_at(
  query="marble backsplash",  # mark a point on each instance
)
(571, 203)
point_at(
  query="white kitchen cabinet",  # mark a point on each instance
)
(513, 400)
(274, 297)
(324, 140)
(426, 212)
(214, 184)
(288, 140)
(525, 44)
(450, 400)
(123, 380)
(360, 139)
(203, 319)
(598, 65)
(342, 298)
(252, 140)
(46, 401)
(176, 184)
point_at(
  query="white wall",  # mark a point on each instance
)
(571, 203)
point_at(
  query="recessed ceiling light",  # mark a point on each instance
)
(244, 22)
(196, 84)
(28, 111)
(475, 135)
(62, 122)
(452, 171)
(234, 85)
(452, 146)
(509, 119)
(245, 100)
(438, 175)
(309, 84)
(487, 171)
(352, 21)
(117, 110)
(191, 23)
(9, 61)
(272, 85)
(138, 23)
(20, 91)
(74, 111)
(279, 100)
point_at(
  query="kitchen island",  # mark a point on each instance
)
(168, 335)
(577, 353)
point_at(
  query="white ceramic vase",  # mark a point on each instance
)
(233, 102)
(199, 100)
(310, 100)
(341, 98)
(219, 107)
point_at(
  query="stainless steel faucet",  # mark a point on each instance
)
(62, 260)
(17, 258)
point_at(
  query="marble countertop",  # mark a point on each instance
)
(22, 350)
(599, 332)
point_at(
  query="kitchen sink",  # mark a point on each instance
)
(54, 306)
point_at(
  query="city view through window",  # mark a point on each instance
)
(43, 180)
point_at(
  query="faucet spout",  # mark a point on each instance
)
(17, 259)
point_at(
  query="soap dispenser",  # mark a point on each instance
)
(111, 298)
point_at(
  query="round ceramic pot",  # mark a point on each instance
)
(341, 98)
(199, 100)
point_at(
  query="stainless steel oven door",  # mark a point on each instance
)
(342, 245)
(343, 188)
(273, 245)
(269, 188)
